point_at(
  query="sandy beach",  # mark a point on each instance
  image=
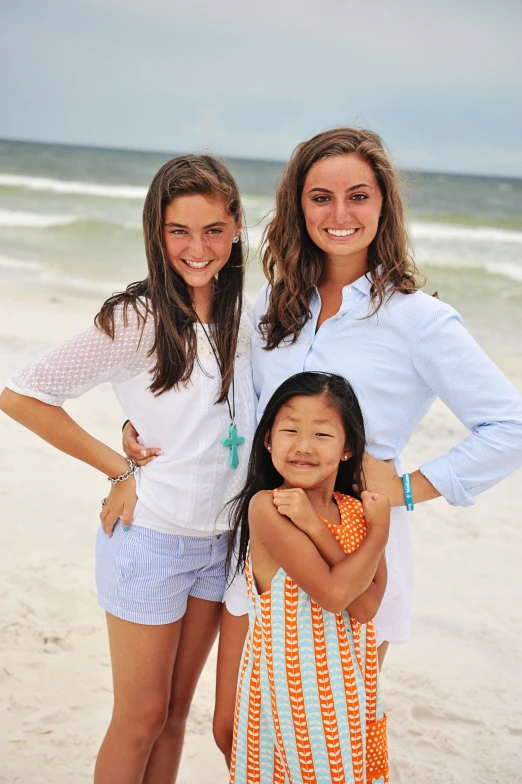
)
(453, 693)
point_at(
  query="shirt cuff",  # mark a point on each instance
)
(444, 479)
(51, 400)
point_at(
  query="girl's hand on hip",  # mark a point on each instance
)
(119, 503)
(134, 449)
(294, 504)
(380, 476)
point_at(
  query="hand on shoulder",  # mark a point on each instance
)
(293, 503)
(290, 503)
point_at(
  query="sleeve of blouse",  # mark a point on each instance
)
(89, 358)
(458, 371)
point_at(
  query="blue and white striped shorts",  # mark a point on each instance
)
(146, 577)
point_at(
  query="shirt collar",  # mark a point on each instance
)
(362, 284)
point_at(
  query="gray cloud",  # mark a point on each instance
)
(439, 81)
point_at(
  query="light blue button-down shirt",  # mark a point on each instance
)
(399, 361)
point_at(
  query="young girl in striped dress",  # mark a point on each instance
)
(176, 349)
(308, 706)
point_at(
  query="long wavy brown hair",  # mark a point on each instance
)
(164, 295)
(293, 263)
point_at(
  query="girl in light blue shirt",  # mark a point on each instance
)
(343, 297)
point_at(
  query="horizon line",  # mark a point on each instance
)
(239, 158)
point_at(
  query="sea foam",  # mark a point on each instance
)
(34, 220)
(71, 186)
(41, 220)
(444, 231)
(21, 264)
(36, 270)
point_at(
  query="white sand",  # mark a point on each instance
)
(453, 692)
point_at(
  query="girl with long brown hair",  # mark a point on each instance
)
(176, 348)
(343, 297)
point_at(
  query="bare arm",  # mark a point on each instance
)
(365, 606)
(56, 427)
(35, 394)
(333, 588)
(421, 488)
(381, 477)
(327, 545)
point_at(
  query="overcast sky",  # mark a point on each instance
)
(440, 80)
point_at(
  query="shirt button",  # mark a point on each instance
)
(310, 342)
(348, 290)
(340, 315)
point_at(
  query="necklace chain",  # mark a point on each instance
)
(231, 408)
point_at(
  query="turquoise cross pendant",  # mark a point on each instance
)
(233, 441)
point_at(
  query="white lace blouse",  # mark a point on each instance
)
(183, 490)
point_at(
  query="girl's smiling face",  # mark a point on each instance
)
(307, 441)
(341, 203)
(198, 233)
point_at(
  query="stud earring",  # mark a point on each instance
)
(269, 448)
(236, 239)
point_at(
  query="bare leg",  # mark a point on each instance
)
(142, 664)
(198, 632)
(231, 640)
(381, 653)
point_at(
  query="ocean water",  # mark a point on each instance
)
(70, 219)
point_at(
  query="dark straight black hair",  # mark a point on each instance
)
(262, 475)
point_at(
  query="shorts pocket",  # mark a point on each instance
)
(116, 558)
(126, 562)
(376, 750)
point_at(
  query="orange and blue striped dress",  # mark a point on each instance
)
(309, 706)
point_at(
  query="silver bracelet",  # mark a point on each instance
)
(122, 477)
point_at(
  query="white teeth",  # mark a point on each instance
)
(197, 264)
(341, 232)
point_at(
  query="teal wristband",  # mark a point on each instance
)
(408, 495)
